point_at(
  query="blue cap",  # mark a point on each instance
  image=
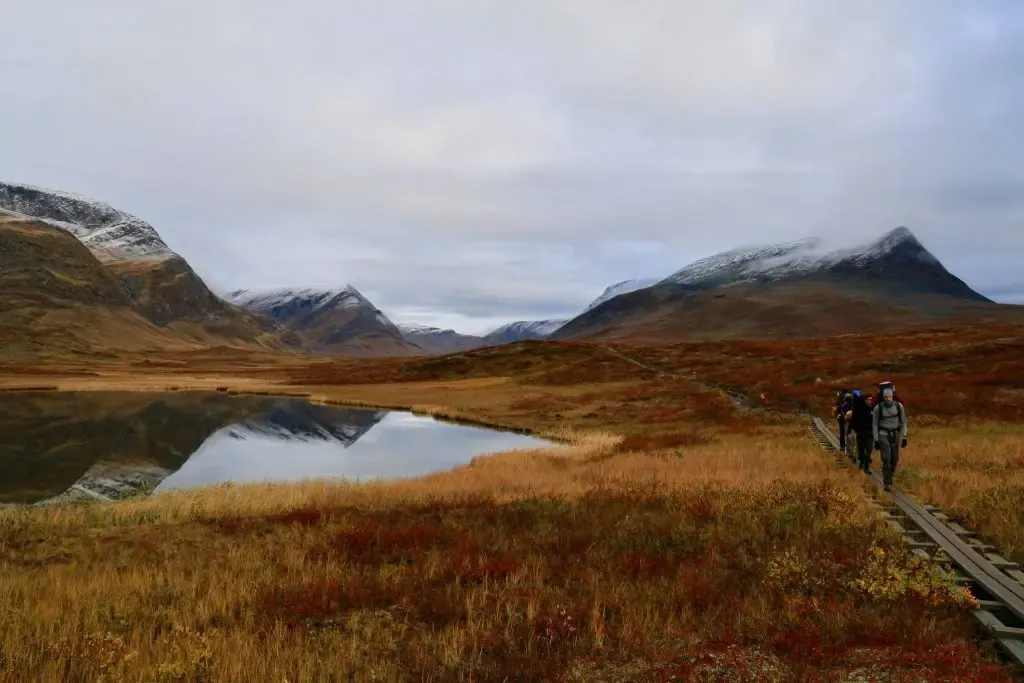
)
(856, 392)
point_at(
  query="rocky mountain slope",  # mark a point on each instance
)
(798, 289)
(434, 340)
(159, 283)
(330, 321)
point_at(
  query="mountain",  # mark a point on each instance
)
(158, 283)
(796, 289)
(56, 297)
(896, 254)
(522, 330)
(330, 320)
(434, 340)
(619, 288)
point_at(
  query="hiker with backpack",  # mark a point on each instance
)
(889, 429)
(843, 404)
(861, 424)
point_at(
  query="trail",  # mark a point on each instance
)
(738, 400)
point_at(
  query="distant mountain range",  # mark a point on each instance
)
(82, 276)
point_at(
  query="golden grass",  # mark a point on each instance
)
(587, 569)
(675, 533)
(974, 471)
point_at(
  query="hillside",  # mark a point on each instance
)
(795, 290)
(55, 296)
(162, 286)
(339, 321)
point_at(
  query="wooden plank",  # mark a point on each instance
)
(987, 576)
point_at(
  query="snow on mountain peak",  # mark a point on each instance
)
(793, 258)
(527, 329)
(619, 288)
(417, 328)
(105, 230)
(316, 298)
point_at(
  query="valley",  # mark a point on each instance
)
(677, 520)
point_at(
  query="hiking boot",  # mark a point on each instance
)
(887, 487)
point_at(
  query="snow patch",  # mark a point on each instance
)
(527, 329)
(792, 258)
(100, 227)
(619, 288)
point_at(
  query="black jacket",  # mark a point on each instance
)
(862, 418)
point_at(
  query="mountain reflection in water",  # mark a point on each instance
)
(63, 446)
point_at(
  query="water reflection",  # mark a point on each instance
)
(69, 445)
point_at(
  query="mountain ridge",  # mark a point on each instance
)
(800, 288)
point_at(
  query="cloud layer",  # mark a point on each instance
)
(463, 163)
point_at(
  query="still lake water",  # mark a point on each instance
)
(105, 445)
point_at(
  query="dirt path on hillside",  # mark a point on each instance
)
(738, 400)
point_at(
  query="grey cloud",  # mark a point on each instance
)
(469, 160)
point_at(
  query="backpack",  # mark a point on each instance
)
(899, 407)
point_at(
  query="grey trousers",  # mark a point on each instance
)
(889, 452)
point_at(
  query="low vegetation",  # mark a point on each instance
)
(782, 581)
(690, 530)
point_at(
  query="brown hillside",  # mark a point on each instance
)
(57, 298)
(170, 294)
(786, 310)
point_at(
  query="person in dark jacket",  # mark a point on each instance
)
(889, 429)
(845, 402)
(861, 424)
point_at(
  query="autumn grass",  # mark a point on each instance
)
(974, 471)
(782, 581)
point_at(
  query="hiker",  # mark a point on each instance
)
(843, 401)
(889, 429)
(861, 424)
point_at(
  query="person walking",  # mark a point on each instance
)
(861, 424)
(889, 429)
(843, 405)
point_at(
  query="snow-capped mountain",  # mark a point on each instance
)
(106, 231)
(437, 340)
(123, 254)
(802, 288)
(898, 252)
(331, 320)
(522, 330)
(624, 287)
(287, 303)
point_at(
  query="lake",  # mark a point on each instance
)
(57, 446)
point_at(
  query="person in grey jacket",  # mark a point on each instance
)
(889, 429)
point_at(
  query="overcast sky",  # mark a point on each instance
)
(465, 163)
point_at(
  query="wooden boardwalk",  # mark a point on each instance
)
(997, 582)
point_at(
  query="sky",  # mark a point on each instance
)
(464, 163)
